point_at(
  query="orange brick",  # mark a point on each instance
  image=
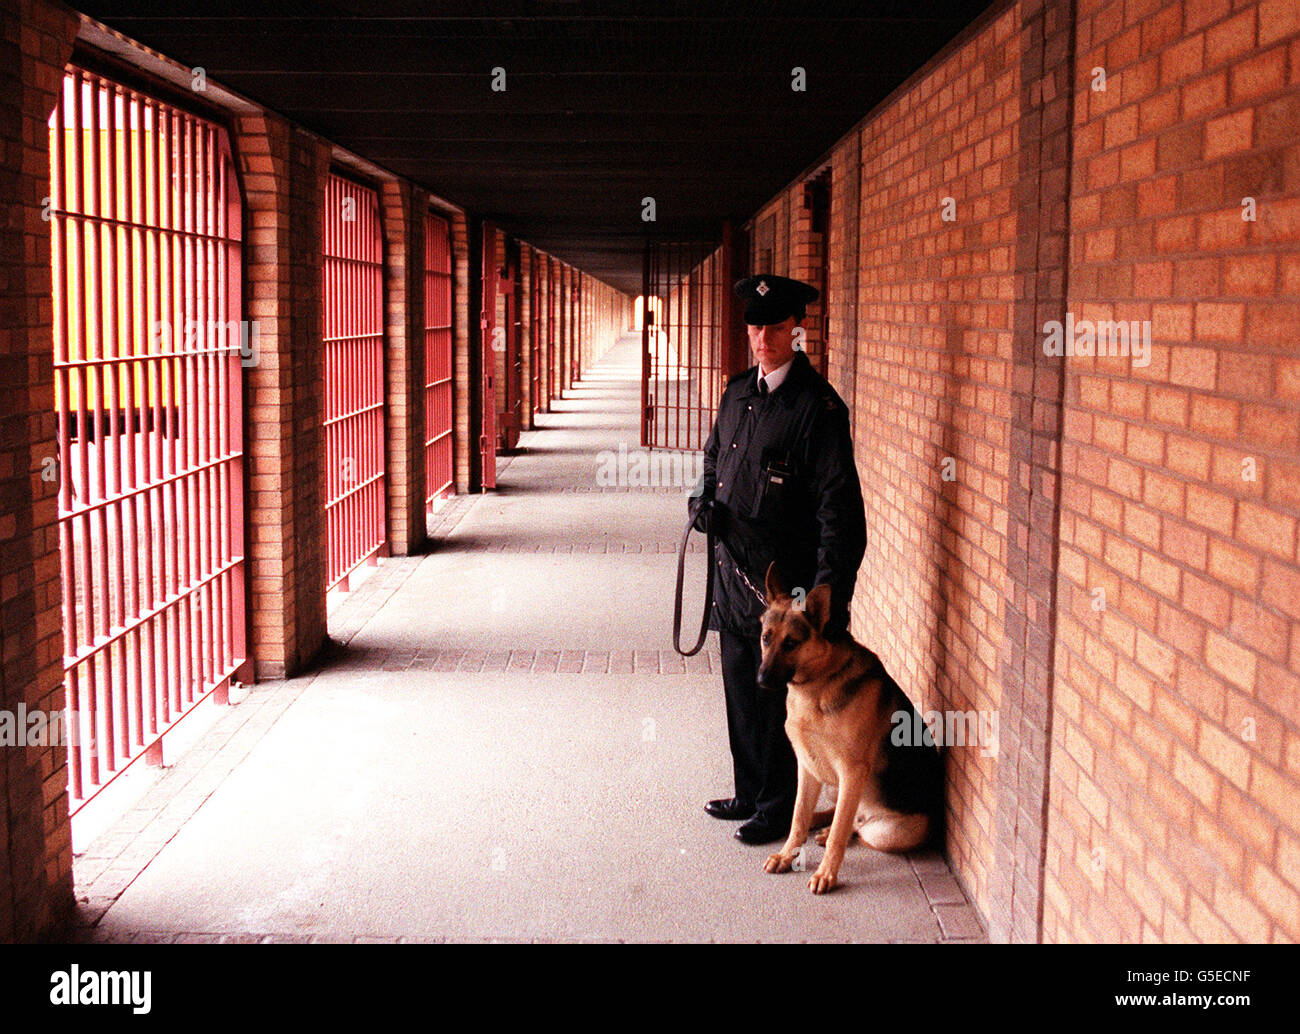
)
(1192, 367)
(1163, 493)
(1259, 75)
(1220, 321)
(1234, 566)
(1159, 575)
(1283, 483)
(1200, 13)
(1232, 469)
(1210, 509)
(1178, 233)
(1183, 59)
(1274, 323)
(1277, 20)
(1185, 544)
(1206, 599)
(1206, 926)
(1197, 778)
(1205, 95)
(1250, 376)
(1275, 792)
(1129, 398)
(1230, 38)
(1280, 587)
(1145, 445)
(1286, 374)
(1260, 630)
(1219, 231)
(1188, 456)
(1266, 529)
(1277, 898)
(1249, 274)
(1225, 753)
(1169, 406)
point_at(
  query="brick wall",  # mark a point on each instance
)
(35, 852)
(921, 317)
(932, 403)
(1113, 566)
(1175, 804)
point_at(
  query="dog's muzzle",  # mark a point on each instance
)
(772, 679)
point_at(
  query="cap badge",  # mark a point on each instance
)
(762, 288)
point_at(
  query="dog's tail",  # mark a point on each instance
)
(822, 819)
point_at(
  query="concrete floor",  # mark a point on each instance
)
(505, 747)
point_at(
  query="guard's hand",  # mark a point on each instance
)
(702, 512)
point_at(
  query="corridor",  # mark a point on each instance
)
(356, 362)
(506, 748)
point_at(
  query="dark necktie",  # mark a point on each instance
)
(762, 387)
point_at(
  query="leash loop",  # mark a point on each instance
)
(708, 592)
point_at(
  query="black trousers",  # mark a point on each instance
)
(763, 761)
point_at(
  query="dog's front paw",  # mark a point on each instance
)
(780, 861)
(823, 880)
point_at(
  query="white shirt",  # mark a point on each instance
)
(775, 378)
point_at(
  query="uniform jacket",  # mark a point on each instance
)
(780, 473)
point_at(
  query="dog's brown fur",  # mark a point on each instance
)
(838, 705)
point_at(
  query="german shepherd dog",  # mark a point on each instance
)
(841, 707)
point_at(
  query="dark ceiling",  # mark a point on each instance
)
(689, 103)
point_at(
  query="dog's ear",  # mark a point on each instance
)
(817, 607)
(772, 585)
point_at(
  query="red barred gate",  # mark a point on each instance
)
(356, 526)
(438, 475)
(148, 346)
(684, 341)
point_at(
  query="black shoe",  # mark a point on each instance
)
(761, 830)
(729, 808)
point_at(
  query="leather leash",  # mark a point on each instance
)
(710, 539)
(708, 592)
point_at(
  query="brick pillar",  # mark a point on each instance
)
(526, 331)
(403, 209)
(544, 352)
(464, 338)
(284, 174)
(566, 326)
(1042, 201)
(35, 849)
